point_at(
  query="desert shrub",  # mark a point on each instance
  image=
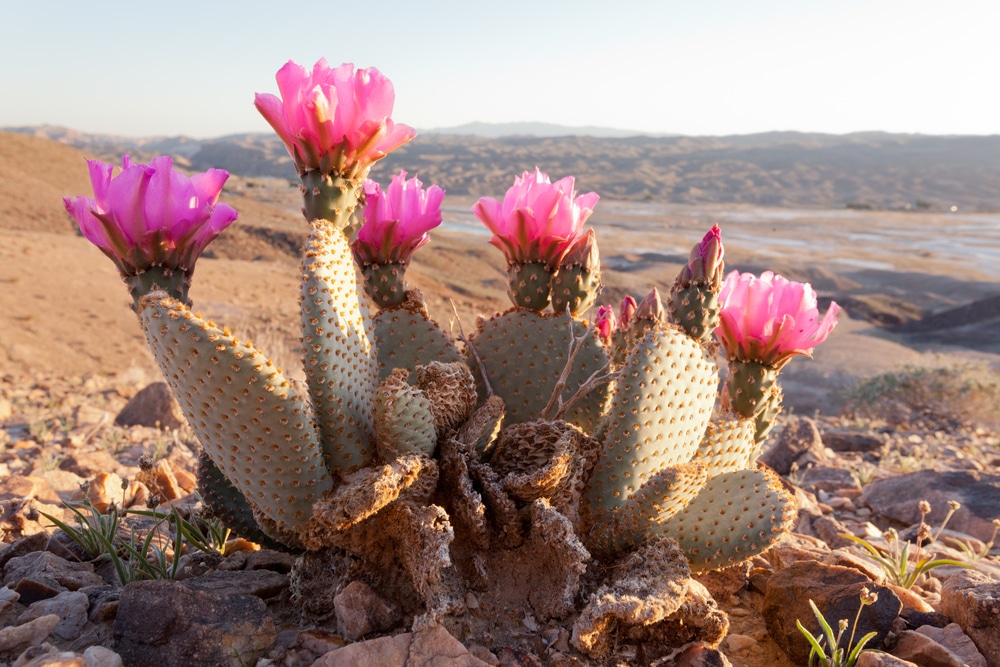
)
(937, 398)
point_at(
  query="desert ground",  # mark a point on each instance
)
(919, 289)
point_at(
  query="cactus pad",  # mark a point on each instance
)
(404, 419)
(662, 404)
(406, 337)
(735, 517)
(524, 354)
(337, 340)
(728, 445)
(245, 413)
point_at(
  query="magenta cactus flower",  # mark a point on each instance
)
(334, 120)
(771, 319)
(538, 220)
(396, 220)
(150, 215)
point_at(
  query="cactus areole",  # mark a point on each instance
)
(549, 468)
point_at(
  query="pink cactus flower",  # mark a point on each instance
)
(605, 323)
(150, 215)
(334, 120)
(396, 220)
(770, 319)
(538, 220)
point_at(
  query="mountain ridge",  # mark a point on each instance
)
(781, 168)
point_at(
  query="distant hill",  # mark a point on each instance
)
(790, 169)
(500, 130)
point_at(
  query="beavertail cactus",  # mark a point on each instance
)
(545, 466)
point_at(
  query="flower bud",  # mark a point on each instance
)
(924, 507)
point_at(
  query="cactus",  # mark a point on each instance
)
(537, 449)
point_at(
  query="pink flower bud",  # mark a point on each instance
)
(150, 215)
(605, 323)
(396, 220)
(626, 312)
(770, 319)
(705, 263)
(538, 221)
(334, 120)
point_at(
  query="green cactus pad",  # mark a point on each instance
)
(528, 285)
(767, 416)
(695, 309)
(384, 284)
(728, 445)
(337, 334)
(404, 420)
(406, 337)
(735, 517)
(245, 413)
(576, 288)
(332, 198)
(524, 354)
(749, 385)
(225, 503)
(663, 401)
(644, 513)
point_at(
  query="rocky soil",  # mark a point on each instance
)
(100, 437)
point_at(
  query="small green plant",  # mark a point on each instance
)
(972, 554)
(93, 530)
(896, 562)
(865, 473)
(839, 656)
(135, 557)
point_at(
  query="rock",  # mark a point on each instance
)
(871, 659)
(71, 608)
(8, 598)
(42, 570)
(972, 600)
(160, 480)
(430, 646)
(88, 463)
(842, 440)
(799, 443)
(259, 583)
(18, 487)
(46, 655)
(955, 640)
(106, 488)
(697, 655)
(737, 643)
(153, 406)
(836, 592)
(924, 651)
(20, 517)
(360, 611)
(27, 634)
(23, 546)
(168, 624)
(827, 478)
(896, 498)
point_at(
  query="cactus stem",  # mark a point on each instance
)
(472, 348)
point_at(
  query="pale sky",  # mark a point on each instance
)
(697, 67)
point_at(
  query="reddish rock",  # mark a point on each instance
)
(360, 611)
(836, 592)
(972, 600)
(153, 406)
